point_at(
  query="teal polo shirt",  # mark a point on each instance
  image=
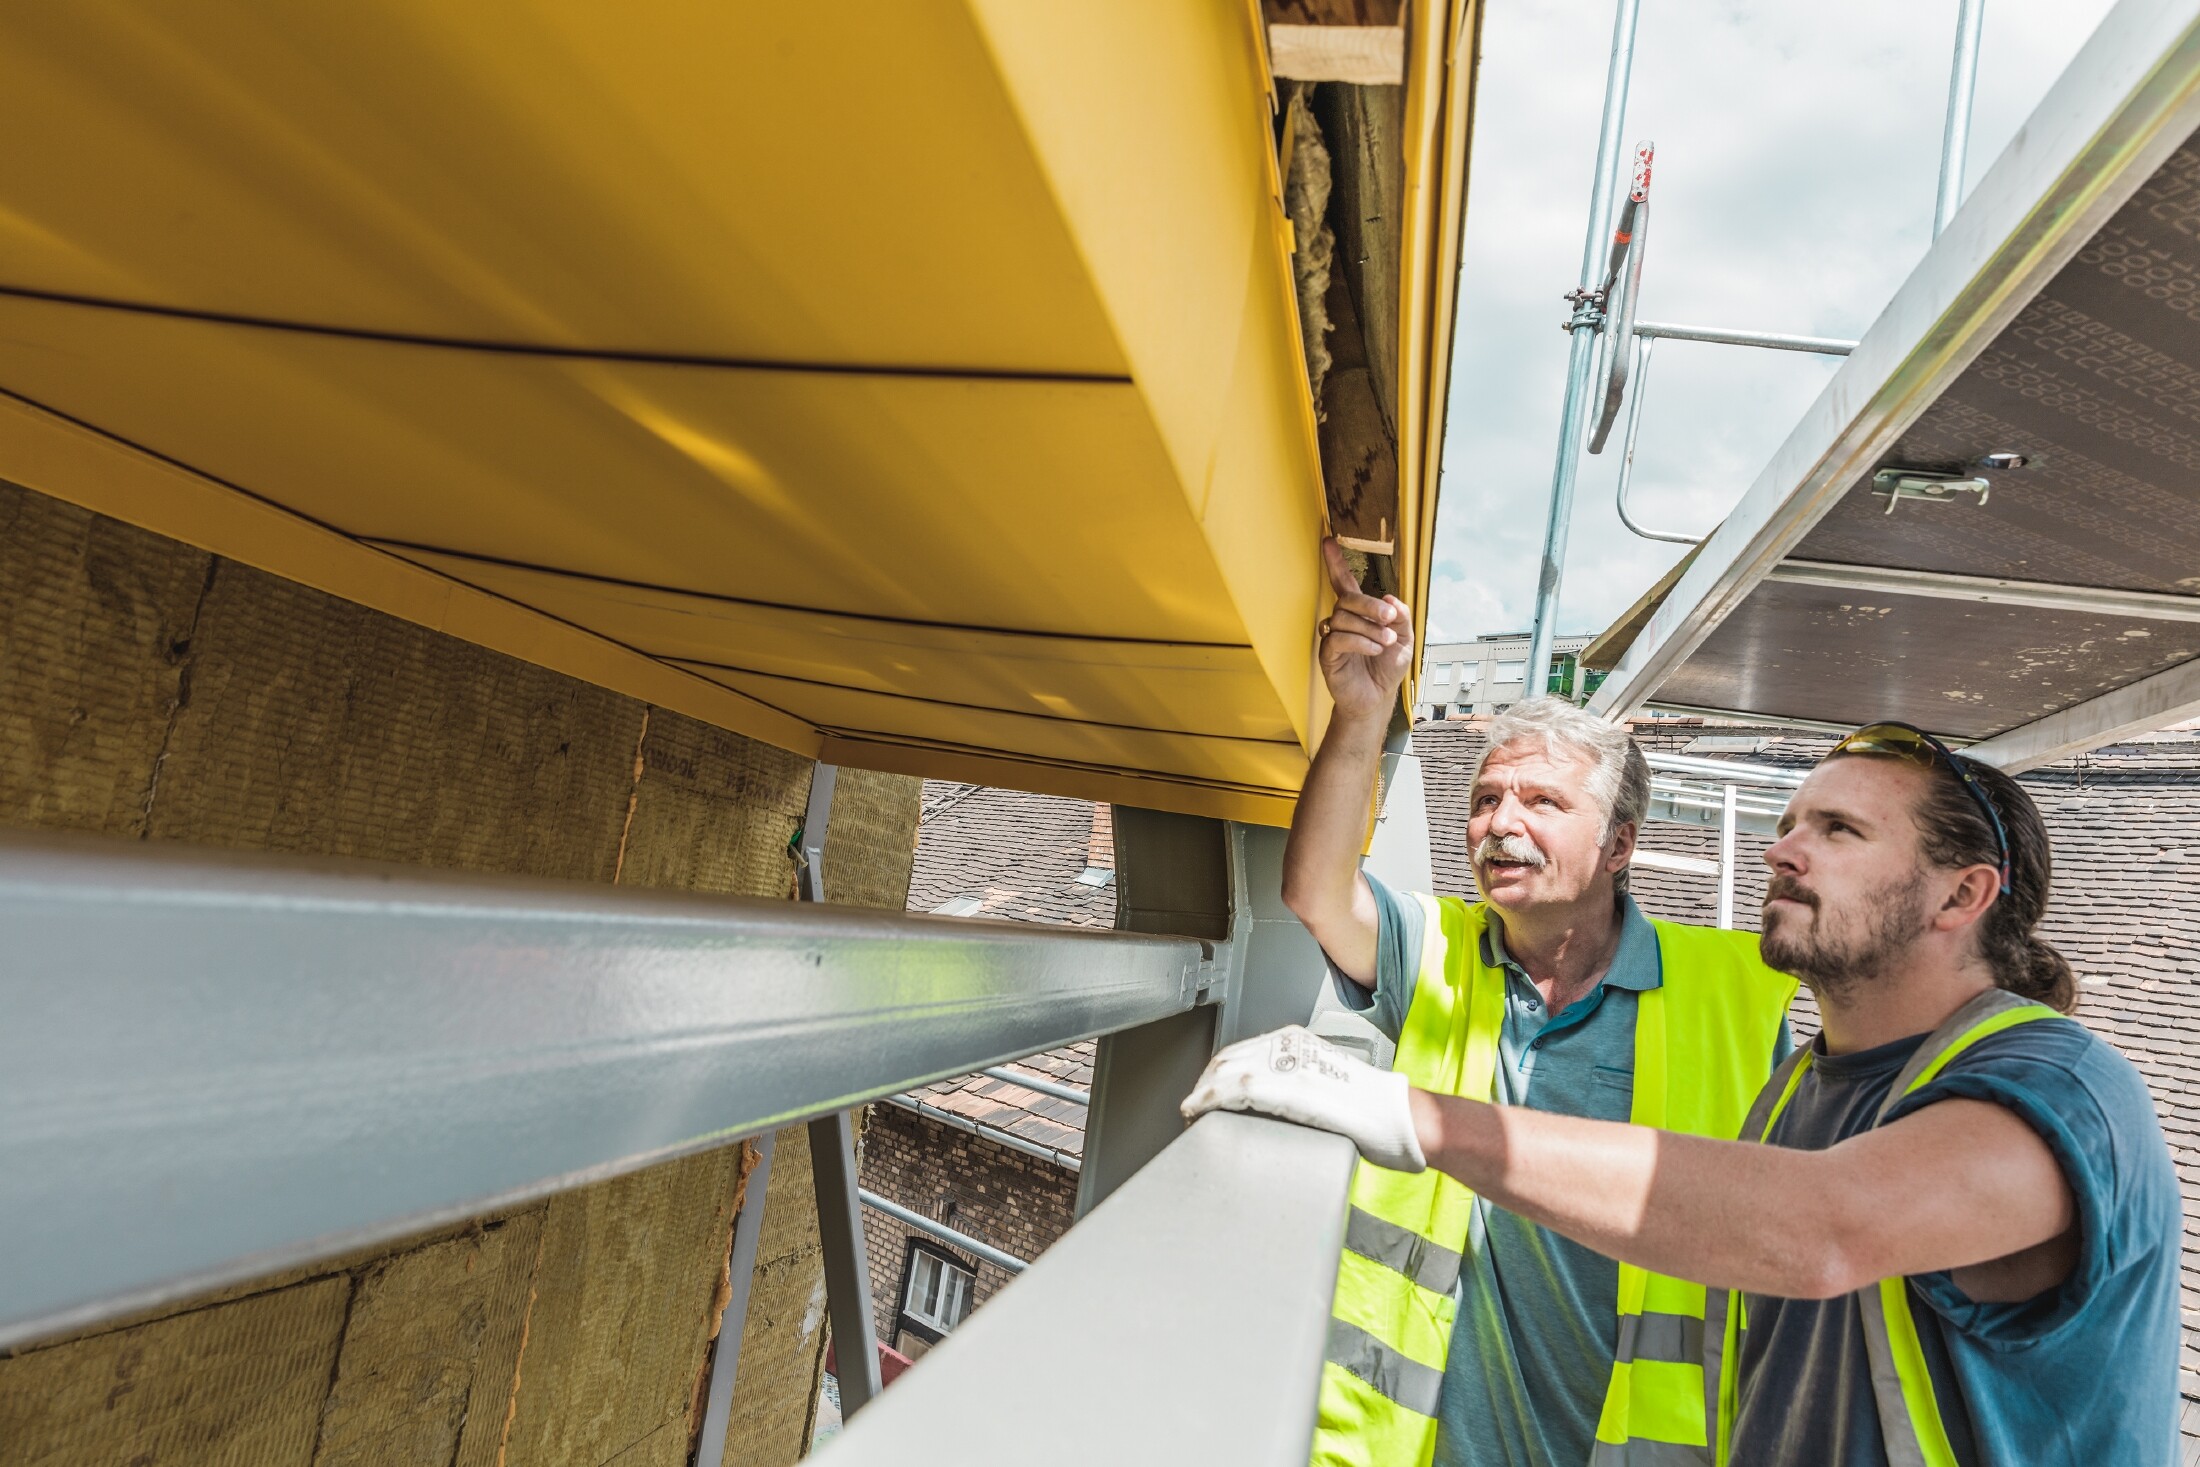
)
(1531, 1354)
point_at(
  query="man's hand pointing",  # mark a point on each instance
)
(1367, 642)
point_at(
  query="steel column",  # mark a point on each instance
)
(1580, 361)
(1955, 137)
(725, 1365)
(816, 823)
(299, 1058)
(847, 1271)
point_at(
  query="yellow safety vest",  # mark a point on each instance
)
(1704, 1042)
(1909, 1413)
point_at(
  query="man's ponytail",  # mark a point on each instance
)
(1956, 834)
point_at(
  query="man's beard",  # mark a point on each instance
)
(1834, 954)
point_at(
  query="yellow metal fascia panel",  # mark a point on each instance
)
(1045, 506)
(1441, 56)
(1190, 688)
(790, 182)
(1253, 807)
(53, 456)
(1262, 764)
(1153, 122)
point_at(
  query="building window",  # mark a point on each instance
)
(961, 906)
(1511, 672)
(938, 1295)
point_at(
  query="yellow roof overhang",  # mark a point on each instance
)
(917, 387)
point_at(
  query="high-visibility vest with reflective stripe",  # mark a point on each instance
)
(1910, 1418)
(1704, 1042)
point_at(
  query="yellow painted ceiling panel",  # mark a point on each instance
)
(1041, 506)
(1260, 764)
(1162, 686)
(810, 183)
(927, 371)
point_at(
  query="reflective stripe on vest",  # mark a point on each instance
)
(1703, 1040)
(1910, 1418)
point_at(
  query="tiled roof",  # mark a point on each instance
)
(1020, 855)
(1046, 1121)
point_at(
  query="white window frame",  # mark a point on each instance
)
(937, 1297)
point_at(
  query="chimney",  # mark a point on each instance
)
(1100, 849)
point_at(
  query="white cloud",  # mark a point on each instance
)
(1798, 152)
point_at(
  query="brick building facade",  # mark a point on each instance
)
(989, 1158)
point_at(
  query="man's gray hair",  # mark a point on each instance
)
(1619, 777)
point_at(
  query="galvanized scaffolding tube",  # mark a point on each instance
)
(1955, 137)
(1581, 358)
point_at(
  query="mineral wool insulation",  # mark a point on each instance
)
(1306, 200)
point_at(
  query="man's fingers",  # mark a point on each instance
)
(1345, 621)
(1341, 579)
(1342, 641)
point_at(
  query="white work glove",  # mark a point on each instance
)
(1295, 1075)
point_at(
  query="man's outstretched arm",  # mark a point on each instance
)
(1959, 1183)
(1366, 647)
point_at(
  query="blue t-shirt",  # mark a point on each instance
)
(2084, 1374)
(1531, 1353)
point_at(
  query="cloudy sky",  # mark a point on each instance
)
(1798, 151)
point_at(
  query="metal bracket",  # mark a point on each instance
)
(1926, 487)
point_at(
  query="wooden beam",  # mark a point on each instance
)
(1366, 55)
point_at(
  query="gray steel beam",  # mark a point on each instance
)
(725, 1363)
(1201, 1291)
(214, 1065)
(847, 1270)
(1988, 590)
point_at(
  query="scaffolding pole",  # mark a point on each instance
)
(1581, 357)
(1955, 137)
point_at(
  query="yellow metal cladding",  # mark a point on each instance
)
(916, 386)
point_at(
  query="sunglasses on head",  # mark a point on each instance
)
(1900, 741)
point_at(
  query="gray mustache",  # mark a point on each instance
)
(1510, 848)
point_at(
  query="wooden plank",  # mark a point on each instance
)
(431, 1352)
(240, 1385)
(1364, 55)
(95, 627)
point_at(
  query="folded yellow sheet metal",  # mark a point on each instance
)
(913, 385)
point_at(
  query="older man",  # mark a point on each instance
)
(1959, 1245)
(1465, 1335)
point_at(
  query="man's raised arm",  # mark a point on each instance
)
(1366, 648)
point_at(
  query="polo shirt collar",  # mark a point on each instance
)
(1636, 965)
